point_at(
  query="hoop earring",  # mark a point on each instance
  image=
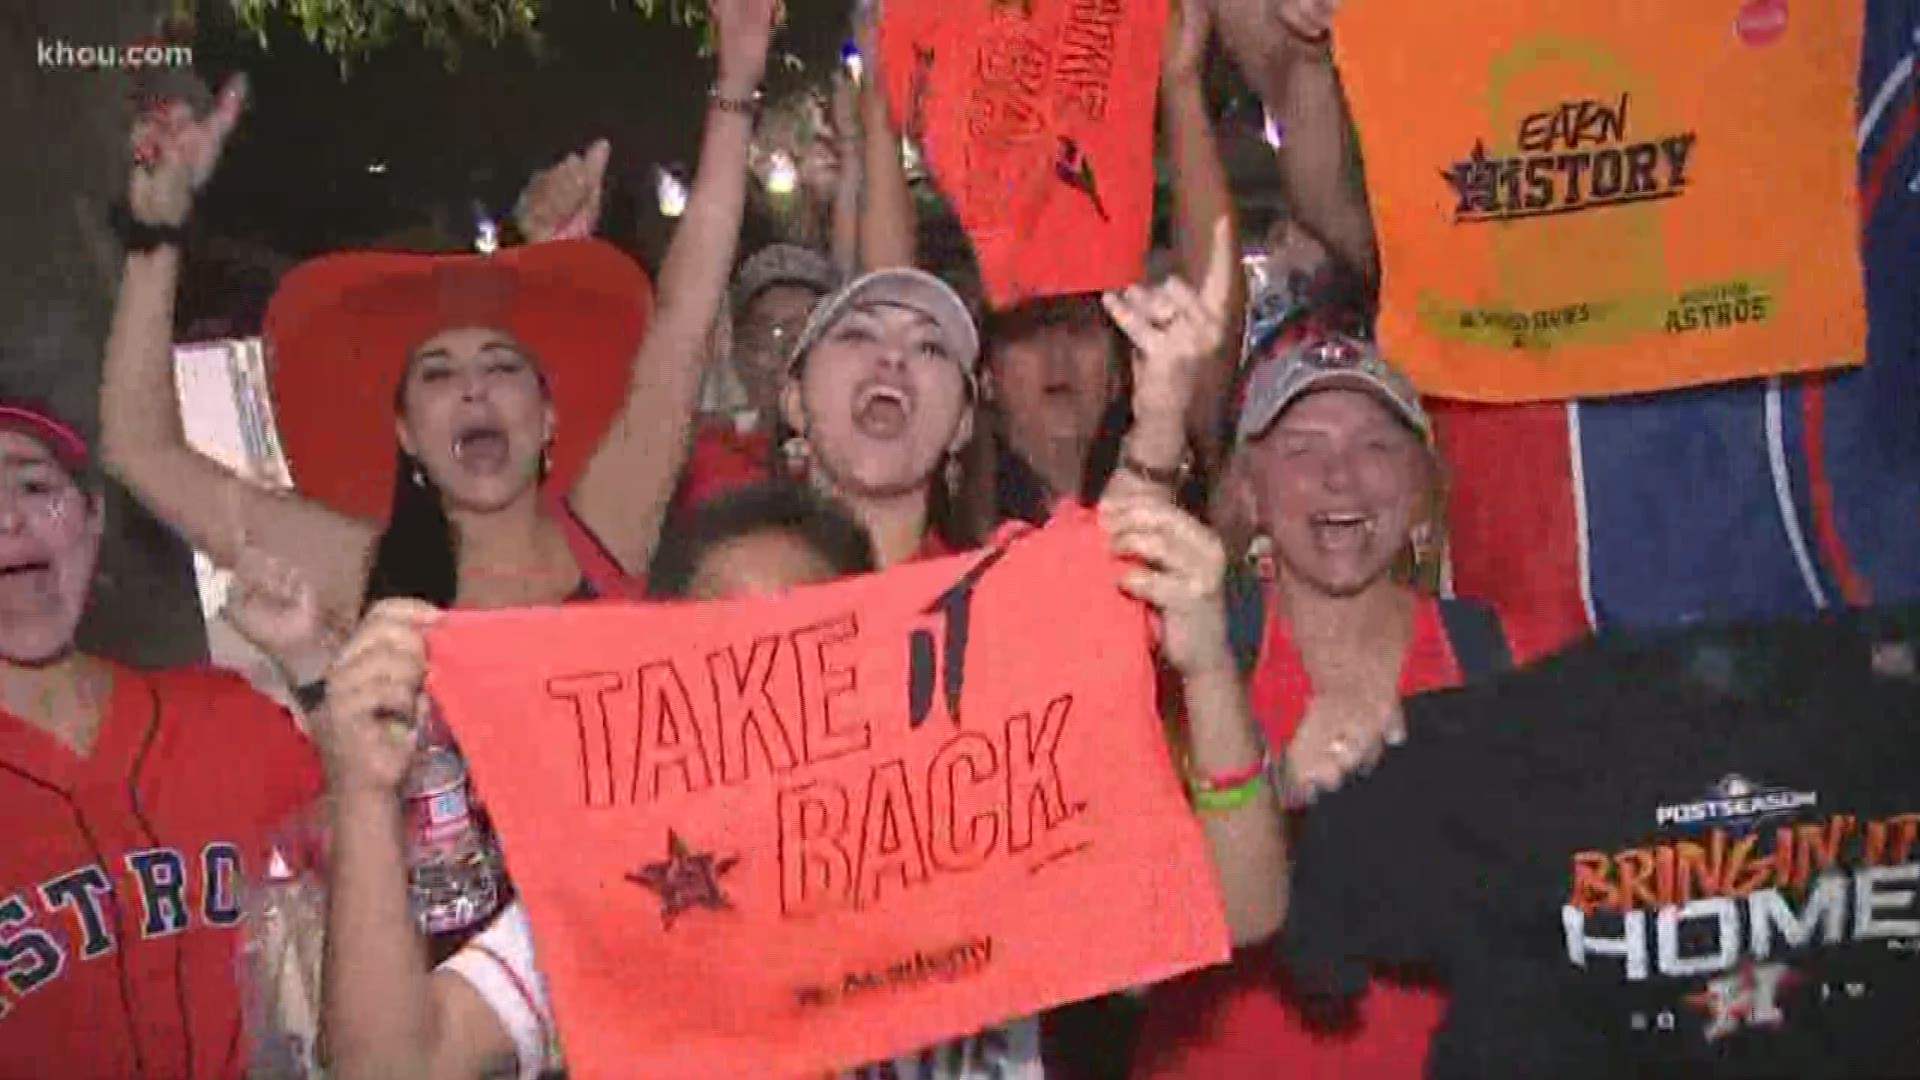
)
(546, 461)
(419, 478)
(796, 453)
(953, 474)
(1260, 557)
(1421, 540)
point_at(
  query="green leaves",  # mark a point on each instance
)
(351, 30)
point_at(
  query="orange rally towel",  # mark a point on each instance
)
(1579, 198)
(774, 837)
(1037, 119)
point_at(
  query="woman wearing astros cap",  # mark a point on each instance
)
(476, 431)
(1335, 465)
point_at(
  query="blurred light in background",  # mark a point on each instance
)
(782, 176)
(673, 194)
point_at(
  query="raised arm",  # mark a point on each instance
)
(1284, 48)
(1176, 331)
(887, 225)
(1201, 198)
(850, 180)
(628, 485)
(144, 443)
(1181, 571)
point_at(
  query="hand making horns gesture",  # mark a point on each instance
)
(174, 153)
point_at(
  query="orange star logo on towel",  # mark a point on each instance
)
(686, 880)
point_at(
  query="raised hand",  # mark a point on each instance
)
(273, 605)
(1342, 735)
(743, 34)
(174, 154)
(1174, 330)
(843, 109)
(563, 202)
(1180, 572)
(374, 701)
(821, 167)
(866, 37)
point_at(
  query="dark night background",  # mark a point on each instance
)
(296, 178)
(296, 182)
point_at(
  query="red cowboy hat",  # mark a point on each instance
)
(340, 328)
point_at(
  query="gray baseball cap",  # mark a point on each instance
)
(903, 287)
(1324, 363)
(783, 264)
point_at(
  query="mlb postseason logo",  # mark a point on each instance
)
(1735, 803)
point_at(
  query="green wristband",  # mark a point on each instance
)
(1226, 800)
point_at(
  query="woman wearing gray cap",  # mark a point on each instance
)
(878, 402)
(880, 395)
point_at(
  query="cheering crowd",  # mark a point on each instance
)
(1276, 498)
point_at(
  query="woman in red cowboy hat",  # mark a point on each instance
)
(486, 387)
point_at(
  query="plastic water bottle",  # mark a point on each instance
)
(453, 866)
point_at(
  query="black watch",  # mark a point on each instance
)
(137, 235)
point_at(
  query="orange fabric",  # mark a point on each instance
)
(742, 856)
(1579, 199)
(340, 328)
(1235, 1023)
(1037, 120)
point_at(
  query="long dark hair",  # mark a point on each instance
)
(417, 556)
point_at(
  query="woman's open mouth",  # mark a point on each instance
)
(482, 448)
(882, 411)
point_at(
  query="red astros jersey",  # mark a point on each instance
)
(120, 877)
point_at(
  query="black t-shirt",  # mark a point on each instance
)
(1694, 856)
